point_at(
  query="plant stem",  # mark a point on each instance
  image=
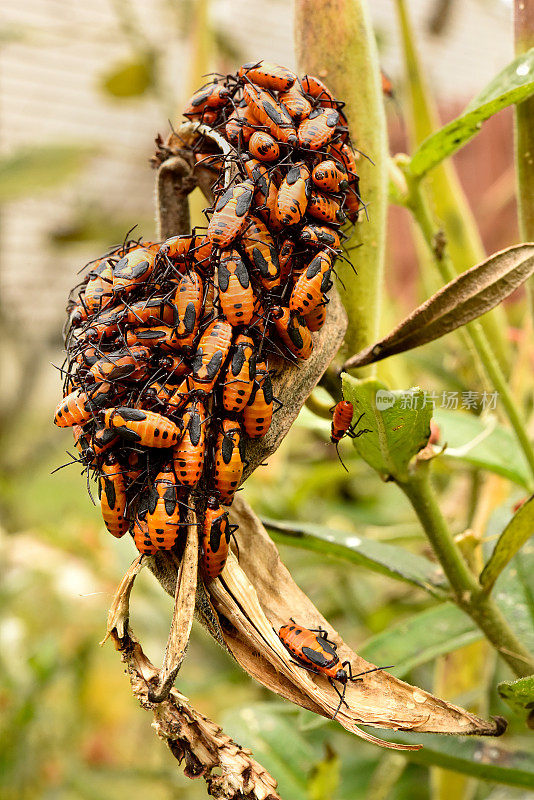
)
(351, 72)
(319, 407)
(416, 202)
(467, 592)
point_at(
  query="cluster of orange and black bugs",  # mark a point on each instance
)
(169, 343)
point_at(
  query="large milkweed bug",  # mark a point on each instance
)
(316, 318)
(241, 124)
(163, 510)
(292, 331)
(146, 428)
(212, 350)
(258, 412)
(136, 266)
(263, 147)
(188, 455)
(321, 235)
(325, 208)
(228, 467)
(75, 409)
(266, 191)
(313, 650)
(268, 76)
(293, 195)
(297, 106)
(271, 114)
(99, 289)
(188, 301)
(260, 249)
(342, 416)
(113, 496)
(318, 129)
(311, 287)
(239, 377)
(230, 216)
(235, 291)
(140, 533)
(329, 177)
(123, 365)
(215, 538)
(210, 97)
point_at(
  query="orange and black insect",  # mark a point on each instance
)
(343, 413)
(292, 331)
(215, 538)
(230, 215)
(313, 650)
(75, 409)
(99, 289)
(258, 413)
(297, 106)
(113, 496)
(239, 377)
(322, 235)
(315, 88)
(346, 156)
(351, 205)
(188, 455)
(329, 177)
(263, 147)
(228, 461)
(212, 350)
(285, 258)
(136, 266)
(316, 319)
(271, 114)
(143, 427)
(325, 208)
(175, 367)
(241, 124)
(154, 311)
(268, 76)
(260, 249)
(162, 336)
(163, 512)
(266, 190)
(140, 533)
(235, 291)
(293, 195)
(318, 129)
(312, 286)
(210, 97)
(122, 365)
(188, 302)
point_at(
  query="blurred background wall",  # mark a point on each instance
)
(84, 89)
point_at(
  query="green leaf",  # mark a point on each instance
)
(482, 443)
(483, 759)
(277, 744)
(324, 781)
(517, 532)
(29, 170)
(514, 594)
(463, 299)
(519, 694)
(129, 78)
(398, 424)
(514, 84)
(395, 562)
(421, 638)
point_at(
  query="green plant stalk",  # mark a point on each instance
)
(524, 135)
(467, 592)
(418, 205)
(351, 72)
(444, 189)
(319, 407)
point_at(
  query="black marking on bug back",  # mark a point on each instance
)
(169, 500)
(315, 657)
(332, 118)
(241, 273)
(151, 336)
(214, 365)
(243, 202)
(314, 267)
(224, 199)
(267, 387)
(216, 533)
(131, 271)
(238, 360)
(260, 262)
(111, 495)
(223, 276)
(152, 500)
(197, 361)
(131, 436)
(273, 112)
(328, 647)
(293, 175)
(131, 414)
(190, 317)
(295, 335)
(203, 96)
(326, 283)
(227, 448)
(121, 372)
(195, 428)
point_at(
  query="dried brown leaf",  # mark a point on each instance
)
(465, 298)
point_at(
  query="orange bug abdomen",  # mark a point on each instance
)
(239, 377)
(235, 291)
(318, 129)
(293, 195)
(271, 114)
(293, 332)
(215, 539)
(263, 147)
(312, 285)
(163, 515)
(230, 215)
(268, 76)
(258, 413)
(228, 461)
(211, 354)
(143, 427)
(341, 420)
(325, 208)
(188, 455)
(329, 177)
(74, 409)
(113, 497)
